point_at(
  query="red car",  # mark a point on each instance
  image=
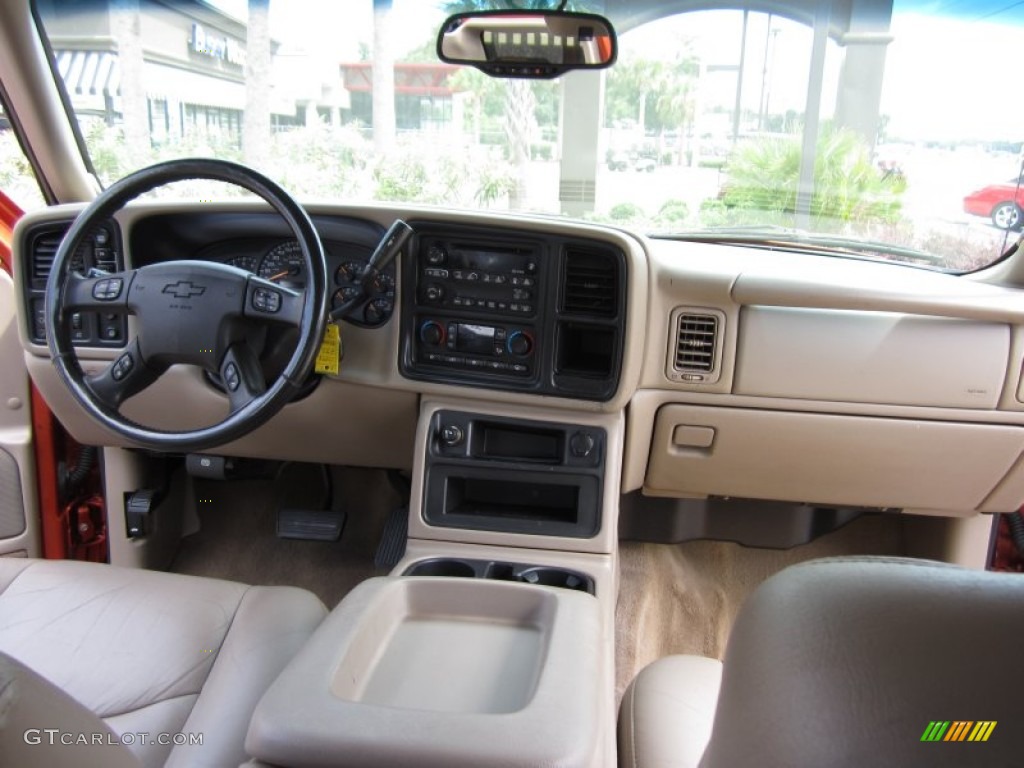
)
(1000, 202)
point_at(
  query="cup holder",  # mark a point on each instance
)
(545, 576)
(443, 567)
(555, 577)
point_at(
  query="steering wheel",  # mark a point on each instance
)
(193, 312)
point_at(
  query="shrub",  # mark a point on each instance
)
(764, 175)
(626, 212)
(673, 212)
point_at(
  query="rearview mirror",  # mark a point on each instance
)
(536, 44)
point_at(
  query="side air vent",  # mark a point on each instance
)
(590, 283)
(695, 345)
(43, 251)
(97, 251)
(695, 354)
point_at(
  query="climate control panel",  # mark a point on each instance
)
(459, 343)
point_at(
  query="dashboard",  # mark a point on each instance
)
(734, 373)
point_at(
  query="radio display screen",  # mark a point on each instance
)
(478, 339)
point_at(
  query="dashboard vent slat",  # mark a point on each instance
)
(44, 248)
(695, 343)
(590, 285)
(43, 252)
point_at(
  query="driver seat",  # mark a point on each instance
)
(146, 653)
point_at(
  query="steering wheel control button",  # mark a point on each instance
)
(231, 377)
(123, 366)
(107, 289)
(266, 300)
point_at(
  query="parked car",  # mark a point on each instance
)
(1002, 203)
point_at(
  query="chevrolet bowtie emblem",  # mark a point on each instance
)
(183, 289)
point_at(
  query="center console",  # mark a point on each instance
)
(492, 641)
(443, 673)
(492, 473)
(505, 311)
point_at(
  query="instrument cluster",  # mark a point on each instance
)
(282, 263)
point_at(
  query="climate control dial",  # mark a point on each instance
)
(519, 344)
(432, 333)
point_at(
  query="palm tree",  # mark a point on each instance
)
(520, 106)
(256, 120)
(134, 107)
(383, 78)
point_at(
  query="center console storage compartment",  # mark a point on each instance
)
(410, 671)
(513, 476)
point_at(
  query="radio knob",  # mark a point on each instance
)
(519, 344)
(432, 333)
(452, 435)
(581, 445)
(434, 292)
(436, 255)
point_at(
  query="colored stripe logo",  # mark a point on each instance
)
(958, 730)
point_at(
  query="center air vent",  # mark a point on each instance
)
(590, 283)
(694, 356)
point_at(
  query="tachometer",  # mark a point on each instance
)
(247, 262)
(283, 264)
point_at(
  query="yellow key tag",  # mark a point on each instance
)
(328, 359)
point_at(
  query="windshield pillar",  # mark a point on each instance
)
(866, 39)
(582, 105)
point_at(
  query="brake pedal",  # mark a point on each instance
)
(310, 524)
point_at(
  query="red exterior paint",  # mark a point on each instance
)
(9, 215)
(984, 201)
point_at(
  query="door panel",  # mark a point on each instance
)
(19, 528)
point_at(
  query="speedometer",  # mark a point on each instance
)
(284, 264)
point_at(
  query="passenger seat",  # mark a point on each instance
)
(845, 662)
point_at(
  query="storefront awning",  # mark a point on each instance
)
(89, 73)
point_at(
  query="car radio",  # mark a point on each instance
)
(488, 278)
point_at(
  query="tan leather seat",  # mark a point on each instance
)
(146, 652)
(845, 662)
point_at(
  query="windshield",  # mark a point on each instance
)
(885, 127)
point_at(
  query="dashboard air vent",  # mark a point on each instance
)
(97, 251)
(695, 346)
(44, 249)
(590, 283)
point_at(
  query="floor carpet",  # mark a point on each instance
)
(683, 598)
(238, 540)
